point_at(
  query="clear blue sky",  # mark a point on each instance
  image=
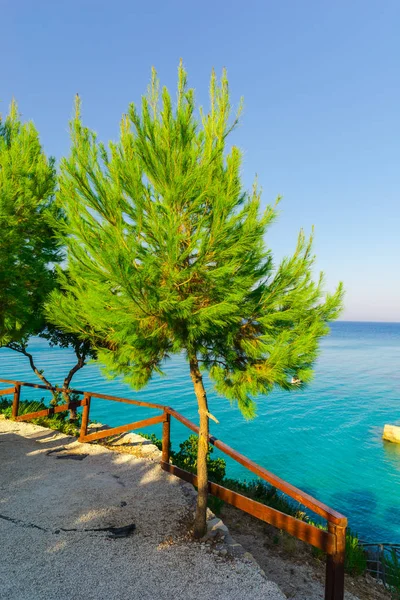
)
(322, 106)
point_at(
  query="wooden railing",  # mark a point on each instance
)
(331, 541)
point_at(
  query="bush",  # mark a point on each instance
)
(267, 494)
(4, 404)
(59, 422)
(186, 459)
(356, 557)
(391, 565)
(152, 438)
(25, 407)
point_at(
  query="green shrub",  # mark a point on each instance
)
(59, 421)
(186, 459)
(25, 407)
(215, 505)
(152, 438)
(391, 565)
(356, 557)
(263, 492)
(4, 404)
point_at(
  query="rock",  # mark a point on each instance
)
(135, 443)
(95, 427)
(249, 557)
(209, 514)
(391, 433)
(213, 523)
(215, 529)
(236, 550)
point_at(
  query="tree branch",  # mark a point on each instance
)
(79, 365)
(22, 350)
(214, 360)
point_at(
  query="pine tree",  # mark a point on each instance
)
(28, 246)
(167, 255)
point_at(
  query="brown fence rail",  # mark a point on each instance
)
(332, 541)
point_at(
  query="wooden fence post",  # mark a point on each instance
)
(166, 433)
(85, 417)
(334, 582)
(15, 404)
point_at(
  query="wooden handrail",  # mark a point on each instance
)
(302, 497)
(332, 541)
(315, 505)
(50, 411)
(99, 435)
(7, 391)
(304, 531)
(312, 503)
(92, 394)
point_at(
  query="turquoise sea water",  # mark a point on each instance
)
(325, 439)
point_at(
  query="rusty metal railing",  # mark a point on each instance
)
(383, 563)
(331, 541)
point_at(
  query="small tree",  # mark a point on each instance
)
(167, 255)
(28, 246)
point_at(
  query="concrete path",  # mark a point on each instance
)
(60, 519)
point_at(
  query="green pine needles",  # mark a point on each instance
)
(28, 246)
(167, 254)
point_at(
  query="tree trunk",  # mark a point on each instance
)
(73, 415)
(200, 525)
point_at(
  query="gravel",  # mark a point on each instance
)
(60, 526)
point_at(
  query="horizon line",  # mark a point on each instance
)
(365, 321)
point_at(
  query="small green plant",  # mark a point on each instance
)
(266, 494)
(215, 504)
(356, 558)
(59, 421)
(391, 566)
(152, 438)
(4, 404)
(186, 459)
(25, 407)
